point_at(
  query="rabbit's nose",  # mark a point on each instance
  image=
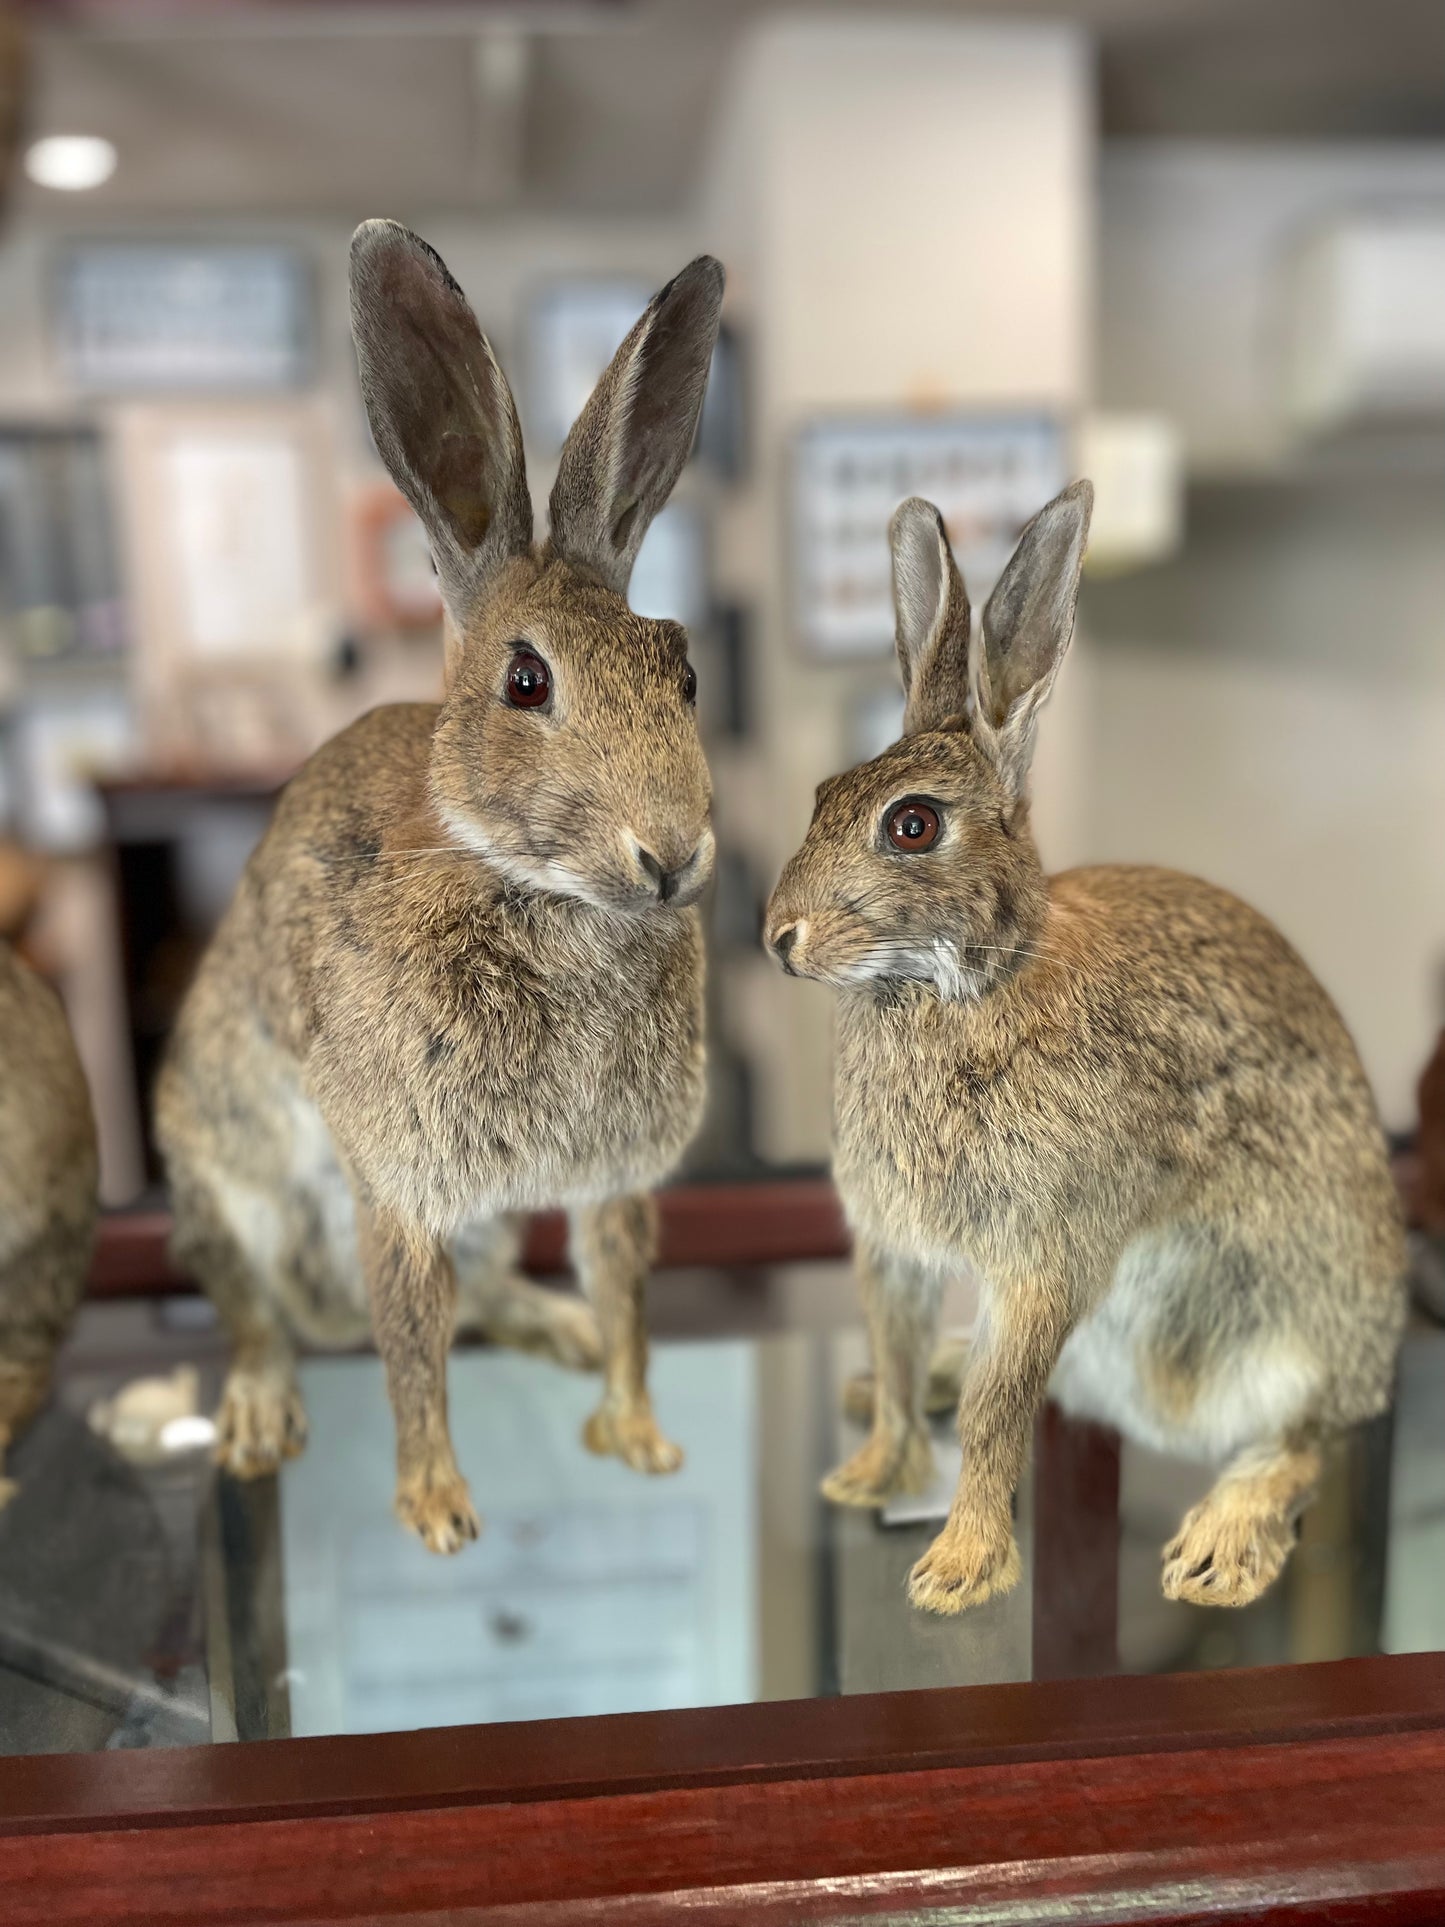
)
(781, 942)
(667, 882)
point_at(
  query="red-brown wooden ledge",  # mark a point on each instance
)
(1292, 1793)
(777, 1221)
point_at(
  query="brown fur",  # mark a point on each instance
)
(1117, 1095)
(48, 1172)
(451, 985)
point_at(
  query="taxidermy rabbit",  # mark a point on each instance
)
(47, 1192)
(1116, 1094)
(462, 975)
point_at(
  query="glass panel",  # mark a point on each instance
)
(153, 1604)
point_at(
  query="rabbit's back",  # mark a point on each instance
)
(1164, 1058)
(465, 1040)
(48, 1158)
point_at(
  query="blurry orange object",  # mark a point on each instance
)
(19, 888)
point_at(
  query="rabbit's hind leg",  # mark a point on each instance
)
(261, 1419)
(901, 1301)
(613, 1245)
(496, 1303)
(1234, 1543)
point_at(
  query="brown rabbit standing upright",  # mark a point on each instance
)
(462, 975)
(47, 1192)
(1117, 1095)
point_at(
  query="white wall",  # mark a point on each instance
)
(1269, 709)
(906, 207)
(1189, 237)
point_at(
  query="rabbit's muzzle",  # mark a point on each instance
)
(671, 874)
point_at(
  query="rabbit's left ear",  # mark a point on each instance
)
(628, 446)
(1027, 623)
(932, 619)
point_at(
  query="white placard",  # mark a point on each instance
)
(592, 1590)
(237, 508)
(988, 473)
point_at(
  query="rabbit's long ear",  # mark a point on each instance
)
(628, 446)
(932, 619)
(440, 410)
(1027, 623)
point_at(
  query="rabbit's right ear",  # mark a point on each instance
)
(1027, 623)
(441, 413)
(932, 619)
(628, 446)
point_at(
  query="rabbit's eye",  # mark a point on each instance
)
(529, 681)
(689, 684)
(912, 825)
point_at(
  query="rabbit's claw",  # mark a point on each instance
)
(630, 1433)
(1226, 1554)
(261, 1423)
(881, 1470)
(436, 1505)
(962, 1568)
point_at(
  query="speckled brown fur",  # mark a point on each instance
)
(450, 986)
(48, 1174)
(1116, 1095)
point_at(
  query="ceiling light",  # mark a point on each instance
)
(70, 161)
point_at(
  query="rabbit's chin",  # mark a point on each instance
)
(615, 895)
(887, 967)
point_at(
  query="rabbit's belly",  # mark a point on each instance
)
(1140, 1363)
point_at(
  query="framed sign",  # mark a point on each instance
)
(164, 317)
(573, 329)
(988, 473)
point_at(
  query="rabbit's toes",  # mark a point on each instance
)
(1225, 1554)
(629, 1433)
(547, 1324)
(436, 1505)
(880, 1470)
(962, 1568)
(261, 1422)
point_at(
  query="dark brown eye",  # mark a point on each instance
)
(689, 684)
(529, 681)
(913, 826)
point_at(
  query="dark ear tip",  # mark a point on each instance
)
(1080, 495)
(381, 240)
(379, 233)
(701, 280)
(909, 514)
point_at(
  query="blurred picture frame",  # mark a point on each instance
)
(988, 471)
(232, 532)
(167, 317)
(394, 582)
(571, 329)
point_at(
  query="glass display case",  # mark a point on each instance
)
(703, 1696)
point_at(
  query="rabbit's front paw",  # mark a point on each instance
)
(261, 1422)
(437, 1507)
(963, 1567)
(629, 1433)
(880, 1470)
(1226, 1554)
(8, 1489)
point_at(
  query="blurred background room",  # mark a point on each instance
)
(1195, 248)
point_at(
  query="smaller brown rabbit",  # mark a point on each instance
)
(1116, 1095)
(48, 1175)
